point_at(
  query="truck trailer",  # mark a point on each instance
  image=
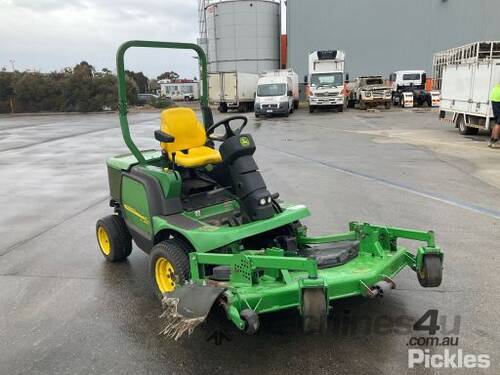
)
(326, 79)
(277, 93)
(232, 90)
(466, 75)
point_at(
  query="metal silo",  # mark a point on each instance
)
(242, 35)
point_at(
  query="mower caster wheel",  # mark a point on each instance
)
(314, 311)
(251, 319)
(431, 273)
(169, 265)
(113, 238)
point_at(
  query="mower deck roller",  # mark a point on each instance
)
(216, 235)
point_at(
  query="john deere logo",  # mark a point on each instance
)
(244, 141)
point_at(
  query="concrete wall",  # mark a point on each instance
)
(381, 36)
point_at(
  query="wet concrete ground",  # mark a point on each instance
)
(63, 309)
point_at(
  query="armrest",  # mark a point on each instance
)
(163, 137)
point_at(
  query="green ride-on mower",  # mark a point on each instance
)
(216, 235)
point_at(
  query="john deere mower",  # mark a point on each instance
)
(199, 207)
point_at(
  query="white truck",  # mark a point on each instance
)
(326, 79)
(466, 75)
(408, 89)
(277, 93)
(232, 90)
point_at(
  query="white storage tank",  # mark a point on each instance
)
(242, 35)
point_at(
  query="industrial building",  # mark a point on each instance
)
(385, 35)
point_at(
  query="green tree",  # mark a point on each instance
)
(140, 79)
(168, 75)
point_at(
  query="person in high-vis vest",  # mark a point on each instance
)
(495, 104)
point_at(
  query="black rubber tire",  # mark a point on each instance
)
(431, 274)
(340, 108)
(314, 311)
(351, 103)
(120, 239)
(257, 115)
(252, 321)
(311, 109)
(222, 108)
(296, 104)
(463, 128)
(176, 252)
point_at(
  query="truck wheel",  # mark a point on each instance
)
(222, 108)
(296, 104)
(340, 108)
(311, 109)
(431, 274)
(351, 103)
(113, 238)
(463, 128)
(168, 265)
(314, 311)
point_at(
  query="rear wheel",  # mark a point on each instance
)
(463, 128)
(431, 273)
(113, 238)
(169, 265)
(314, 311)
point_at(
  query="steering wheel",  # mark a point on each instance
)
(229, 132)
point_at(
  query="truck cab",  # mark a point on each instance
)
(408, 89)
(274, 96)
(326, 79)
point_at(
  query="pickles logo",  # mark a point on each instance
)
(244, 141)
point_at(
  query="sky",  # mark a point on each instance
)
(48, 35)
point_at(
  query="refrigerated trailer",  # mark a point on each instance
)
(232, 90)
(465, 76)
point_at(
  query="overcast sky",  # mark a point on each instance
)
(49, 35)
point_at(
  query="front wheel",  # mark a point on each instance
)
(113, 238)
(314, 311)
(311, 109)
(169, 265)
(431, 273)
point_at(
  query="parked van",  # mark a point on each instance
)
(277, 93)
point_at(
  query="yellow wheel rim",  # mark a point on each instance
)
(103, 239)
(164, 275)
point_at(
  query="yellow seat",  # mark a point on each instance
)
(189, 139)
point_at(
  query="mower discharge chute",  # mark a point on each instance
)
(215, 234)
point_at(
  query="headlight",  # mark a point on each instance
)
(388, 93)
(262, 201)
(368, 94)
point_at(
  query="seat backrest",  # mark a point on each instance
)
(182, 124)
